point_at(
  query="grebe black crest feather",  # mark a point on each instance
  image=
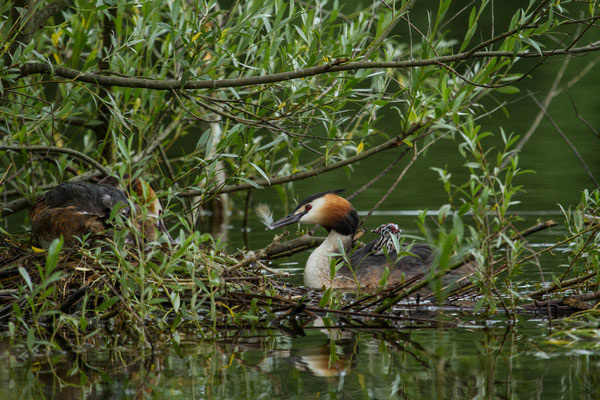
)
(347, 225)
(316, 196)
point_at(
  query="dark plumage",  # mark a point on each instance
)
(74, 209)
(97, 199)
(369, 266)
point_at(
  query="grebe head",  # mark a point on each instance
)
(327, 209)
(148, 198)
(385, 243)
(387, 229)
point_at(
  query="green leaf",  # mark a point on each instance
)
(27, 278)
(250, 182)
(326, 297)
(260, 171)
(508, 89)
(52, 255)
(107, 303)
(471, 30)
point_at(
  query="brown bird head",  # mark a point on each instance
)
(327, 209)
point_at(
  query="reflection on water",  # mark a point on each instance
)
(472, 361)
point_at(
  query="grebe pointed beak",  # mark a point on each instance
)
(290, 219)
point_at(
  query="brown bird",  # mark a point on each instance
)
(74, 209)
(368, 263)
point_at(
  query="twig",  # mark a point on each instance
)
(388, 29)
(271, 270)
(293, 246)
(579, 117)
(400, 177)
(52, 149)
(547, 100)
(258, 255)
(566, 140)
(379, 176)
(395, 142)
(73, 298)
(15, 206)
(583, 297)
(562, 284)
(584, 247)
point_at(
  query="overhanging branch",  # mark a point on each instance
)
(50, 149)
(394, 142)
(174, 84)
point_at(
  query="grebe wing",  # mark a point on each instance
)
(96, 199)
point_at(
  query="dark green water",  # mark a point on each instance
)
(472, 360)
(476, 359)
(466, 359)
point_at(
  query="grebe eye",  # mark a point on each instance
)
(307, 207)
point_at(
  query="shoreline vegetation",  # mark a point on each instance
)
(213, 103)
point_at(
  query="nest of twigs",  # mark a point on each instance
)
(214, 293)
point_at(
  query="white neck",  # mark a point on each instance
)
(317, 271)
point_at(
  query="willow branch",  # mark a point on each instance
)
(14, 206)
(171, 84)
(395, 142)
(553, 287)
(538, 119)
(49, 149)
(389, 28)
(393, 187)
(49, 10)
(379, 176)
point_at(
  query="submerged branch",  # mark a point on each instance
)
(553, 287)
(565, 301)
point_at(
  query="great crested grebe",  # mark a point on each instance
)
(368, 263)
(385, 243)
(74, 209)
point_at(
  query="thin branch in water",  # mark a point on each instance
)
(391, 189)
(567, 141)
(538, 118)
(583, 120)
(583, 248)
(379, 176)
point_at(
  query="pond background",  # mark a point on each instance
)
(463, 357)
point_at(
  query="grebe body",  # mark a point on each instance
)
(367, 264)
(74, 209)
